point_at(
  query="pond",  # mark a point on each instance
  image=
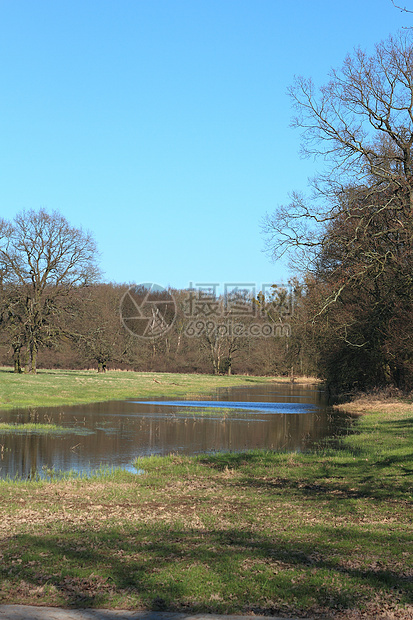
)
(113, 434)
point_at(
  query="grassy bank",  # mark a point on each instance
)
(70, 387)
(45, 429)
(320, 533)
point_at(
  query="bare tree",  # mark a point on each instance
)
(97, 329)
(42, 258)
(360, 125)
(402, 8)
(354, 234)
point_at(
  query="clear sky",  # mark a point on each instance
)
(162, 126)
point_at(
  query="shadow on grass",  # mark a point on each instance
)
(345, 480)
(46, 371)
(236, 460)
(176, 569)
(368, 488)
(406, 423)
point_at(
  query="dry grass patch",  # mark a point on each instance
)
(369, 403)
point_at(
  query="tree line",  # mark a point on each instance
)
(55, 313)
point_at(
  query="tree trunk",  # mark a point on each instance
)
(32, 358)
(17, 364)
(229, 367)
(17, 359)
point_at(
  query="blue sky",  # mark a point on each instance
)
(162, 126)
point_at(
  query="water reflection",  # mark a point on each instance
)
(273, 416)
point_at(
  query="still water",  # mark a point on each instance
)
(277, 416)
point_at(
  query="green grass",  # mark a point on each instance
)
(30, 427)
(321, 533)
(70, 387)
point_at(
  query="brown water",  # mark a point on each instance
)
(113, 434)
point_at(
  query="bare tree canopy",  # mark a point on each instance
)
(360, 125)
(402, 8)
(44, 250)
(352, 237)
(42, 257)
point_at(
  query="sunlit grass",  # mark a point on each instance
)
(30, 427)
(70, 387)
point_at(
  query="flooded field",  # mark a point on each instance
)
(113, 434)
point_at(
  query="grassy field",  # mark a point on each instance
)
(327, 533)
(30, 427)
(70, 387)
